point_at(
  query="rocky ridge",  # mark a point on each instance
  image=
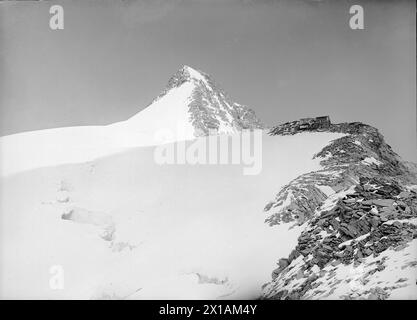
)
(359, 213)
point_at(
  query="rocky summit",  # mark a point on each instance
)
(359, 214)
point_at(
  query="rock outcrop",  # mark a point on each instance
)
(360, 217)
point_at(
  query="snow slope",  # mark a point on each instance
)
(166, 117)
(125, 227)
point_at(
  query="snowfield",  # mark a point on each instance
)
(120, 226)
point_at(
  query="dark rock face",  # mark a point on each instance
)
(370, 212)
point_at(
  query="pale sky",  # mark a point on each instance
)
(285, 59)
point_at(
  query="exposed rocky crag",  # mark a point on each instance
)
(360, 216)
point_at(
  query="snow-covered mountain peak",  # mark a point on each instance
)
(194, 102)
(193, 74)
(188, 75)
(191, 105)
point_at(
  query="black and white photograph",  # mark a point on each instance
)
(195, 150)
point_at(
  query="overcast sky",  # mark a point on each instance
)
(284, 59)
